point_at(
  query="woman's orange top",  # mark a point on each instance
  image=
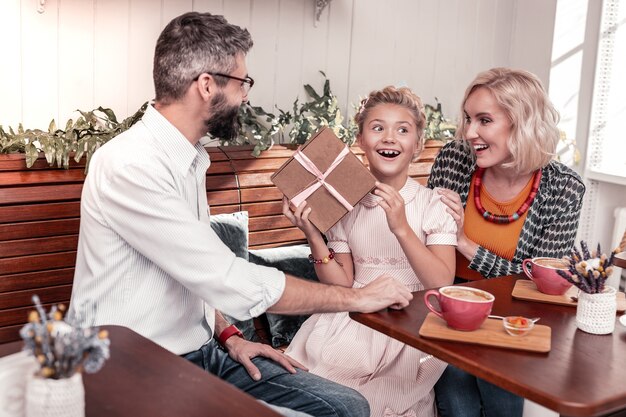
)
(500, 239)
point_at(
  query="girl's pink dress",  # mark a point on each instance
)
(396, 379)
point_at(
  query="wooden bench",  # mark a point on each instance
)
(40, 214)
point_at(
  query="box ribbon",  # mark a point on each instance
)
(320, 178)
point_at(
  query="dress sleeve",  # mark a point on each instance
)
(439, 226)
(556, 235)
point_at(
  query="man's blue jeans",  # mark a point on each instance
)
(459, 394)
(303, 391)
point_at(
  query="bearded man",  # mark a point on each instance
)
(148, 255)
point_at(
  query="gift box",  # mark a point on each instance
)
(326, 174)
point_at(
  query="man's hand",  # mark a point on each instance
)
(384, 291)
(243, 351)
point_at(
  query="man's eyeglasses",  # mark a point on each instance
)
(246, 83)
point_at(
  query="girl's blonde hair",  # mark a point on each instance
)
(402, 96)
(534, 132)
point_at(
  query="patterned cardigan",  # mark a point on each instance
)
(552, 220)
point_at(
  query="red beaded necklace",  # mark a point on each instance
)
(500, 218)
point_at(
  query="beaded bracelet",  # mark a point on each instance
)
(324, 260)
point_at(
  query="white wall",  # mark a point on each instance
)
(87, 53)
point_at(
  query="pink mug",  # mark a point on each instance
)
(543, 272)
(463, 308)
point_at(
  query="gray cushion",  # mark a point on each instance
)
(232, 229)
(292, 260)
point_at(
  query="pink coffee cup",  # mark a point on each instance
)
(543, 272)
(463, 308)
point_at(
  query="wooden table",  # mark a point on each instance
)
(582, 375)
(143, 379)
(620, 260)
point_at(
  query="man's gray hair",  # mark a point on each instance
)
(192, 44)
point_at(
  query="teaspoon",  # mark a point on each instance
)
(492, 316)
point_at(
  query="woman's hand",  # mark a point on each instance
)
(455, 208)
(393, 204)
(300, 218)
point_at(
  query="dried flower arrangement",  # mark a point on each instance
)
(589, 270)
(62, 347)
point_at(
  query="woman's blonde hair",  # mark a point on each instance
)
(402, 96)
(534, 134)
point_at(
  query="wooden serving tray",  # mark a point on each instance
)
(491, 333)
(527, 290)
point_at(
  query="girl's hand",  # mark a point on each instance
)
(300, 218)
(393, 204)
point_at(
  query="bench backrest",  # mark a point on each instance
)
(40, 216)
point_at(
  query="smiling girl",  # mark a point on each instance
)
(511, 201)
(401, 229)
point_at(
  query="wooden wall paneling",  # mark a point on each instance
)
(34, 263)
(225, 209)
(253, 195)
(216, 198)
(60, 293)
(40, 89)
(263, 209)
(111, 57)
(16, 195)
(261, 59)
(43, 177)
(17, 316)
(11, 72)
(172, 8)
(338, 42)
(211, 6)
(241, 152)
(34, 246)
(17, 162)
(281, 244)
(220, 167)
(24, 230)
(275, 236)
(18, 282)
(76, 59)
(29, 212)
(221, 182)
(261, 164)
(258, 179)
(10, 333)
(289, 54)
(268, 222)
(145, 27)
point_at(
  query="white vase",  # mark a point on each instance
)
(47, 397)
(595, 313)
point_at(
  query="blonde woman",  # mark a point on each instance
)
(511, 200)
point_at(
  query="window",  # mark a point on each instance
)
(606, 154)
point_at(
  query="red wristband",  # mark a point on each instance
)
(231, 330)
